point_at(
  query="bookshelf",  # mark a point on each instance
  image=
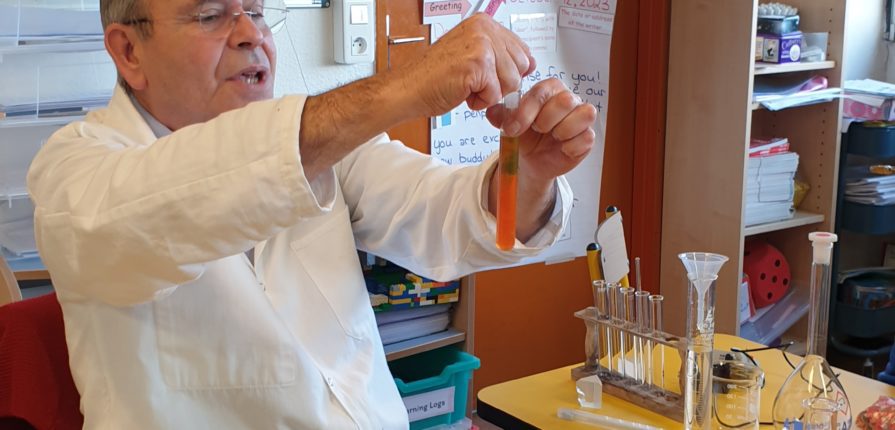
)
(709, 125)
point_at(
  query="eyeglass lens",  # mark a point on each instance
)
(216, 15)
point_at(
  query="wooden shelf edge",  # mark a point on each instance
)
(770, 69)
(801, 218)
(32, 275)
(422, 344)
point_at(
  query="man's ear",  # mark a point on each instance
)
(123, 45)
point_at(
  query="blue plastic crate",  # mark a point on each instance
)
(430, 375)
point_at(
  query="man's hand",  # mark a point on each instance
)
(555, 130)
(478, 61)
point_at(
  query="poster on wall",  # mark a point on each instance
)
(570, 40)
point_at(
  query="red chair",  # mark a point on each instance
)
(36, 387)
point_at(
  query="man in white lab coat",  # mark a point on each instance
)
(144, 211)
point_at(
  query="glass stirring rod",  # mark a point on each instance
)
(508, 172)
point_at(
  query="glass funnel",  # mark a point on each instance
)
(702, 273)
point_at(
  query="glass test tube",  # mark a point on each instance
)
(605, 313)
(612, 304)
(626, 317)
(656, 326)
(508, 172)
(631, 321)
(592, 346)
(646, 348)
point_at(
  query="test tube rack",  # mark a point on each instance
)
(653, 396)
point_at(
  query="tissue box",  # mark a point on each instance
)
(778, 25)
(782, 49)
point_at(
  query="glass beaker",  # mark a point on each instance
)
(737, 395)
(820, 414)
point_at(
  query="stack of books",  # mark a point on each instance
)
(864, 187)
(770, 183)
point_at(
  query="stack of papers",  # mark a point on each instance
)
(784, 91)
(406, 324)
(866, 188)
(770, 187)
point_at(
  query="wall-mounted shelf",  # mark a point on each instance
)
(801, 218)
(38, 48)
(770, 68)
(31, 121)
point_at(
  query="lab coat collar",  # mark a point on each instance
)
(122, 111)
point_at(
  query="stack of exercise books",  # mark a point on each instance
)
(865, 187)
(770, 183)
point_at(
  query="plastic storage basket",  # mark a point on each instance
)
(430, 380)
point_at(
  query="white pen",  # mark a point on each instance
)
(601, 420)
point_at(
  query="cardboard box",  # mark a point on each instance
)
(778, 25)
(759, 47)
(782, 49)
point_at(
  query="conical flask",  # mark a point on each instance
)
(702, 273)
(810, 386)
(812, 390)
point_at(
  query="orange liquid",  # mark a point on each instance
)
(507, 169)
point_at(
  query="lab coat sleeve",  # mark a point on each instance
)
(125, 222)
(430, 217)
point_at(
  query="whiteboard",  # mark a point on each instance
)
(570, 40)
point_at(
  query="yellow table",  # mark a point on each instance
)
(532, 401)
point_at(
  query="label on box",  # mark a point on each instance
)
(430, 404)
(782, 49)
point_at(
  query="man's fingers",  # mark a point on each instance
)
(533, 102)
(577, 147)
(582, 117)
(555, 110)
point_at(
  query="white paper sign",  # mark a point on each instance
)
(586, 20)
(537, 30)
(614, 254)
(430, 404)
(580, 59)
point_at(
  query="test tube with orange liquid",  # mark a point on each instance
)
(507, 175)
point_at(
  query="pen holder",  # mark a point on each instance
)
(627, 382)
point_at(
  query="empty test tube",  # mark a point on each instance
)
(631, 321)
(593, 344)
(612, 304)
(643, 326)
(602, 289)
(626, 311)
(656, 326)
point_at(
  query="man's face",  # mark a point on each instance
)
(193, 74)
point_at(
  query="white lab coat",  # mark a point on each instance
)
(168, 324)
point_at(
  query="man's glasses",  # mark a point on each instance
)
(218, 18)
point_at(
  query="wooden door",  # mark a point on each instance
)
(523, 315)
(402, 38)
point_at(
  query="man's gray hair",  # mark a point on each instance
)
(126, 11)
